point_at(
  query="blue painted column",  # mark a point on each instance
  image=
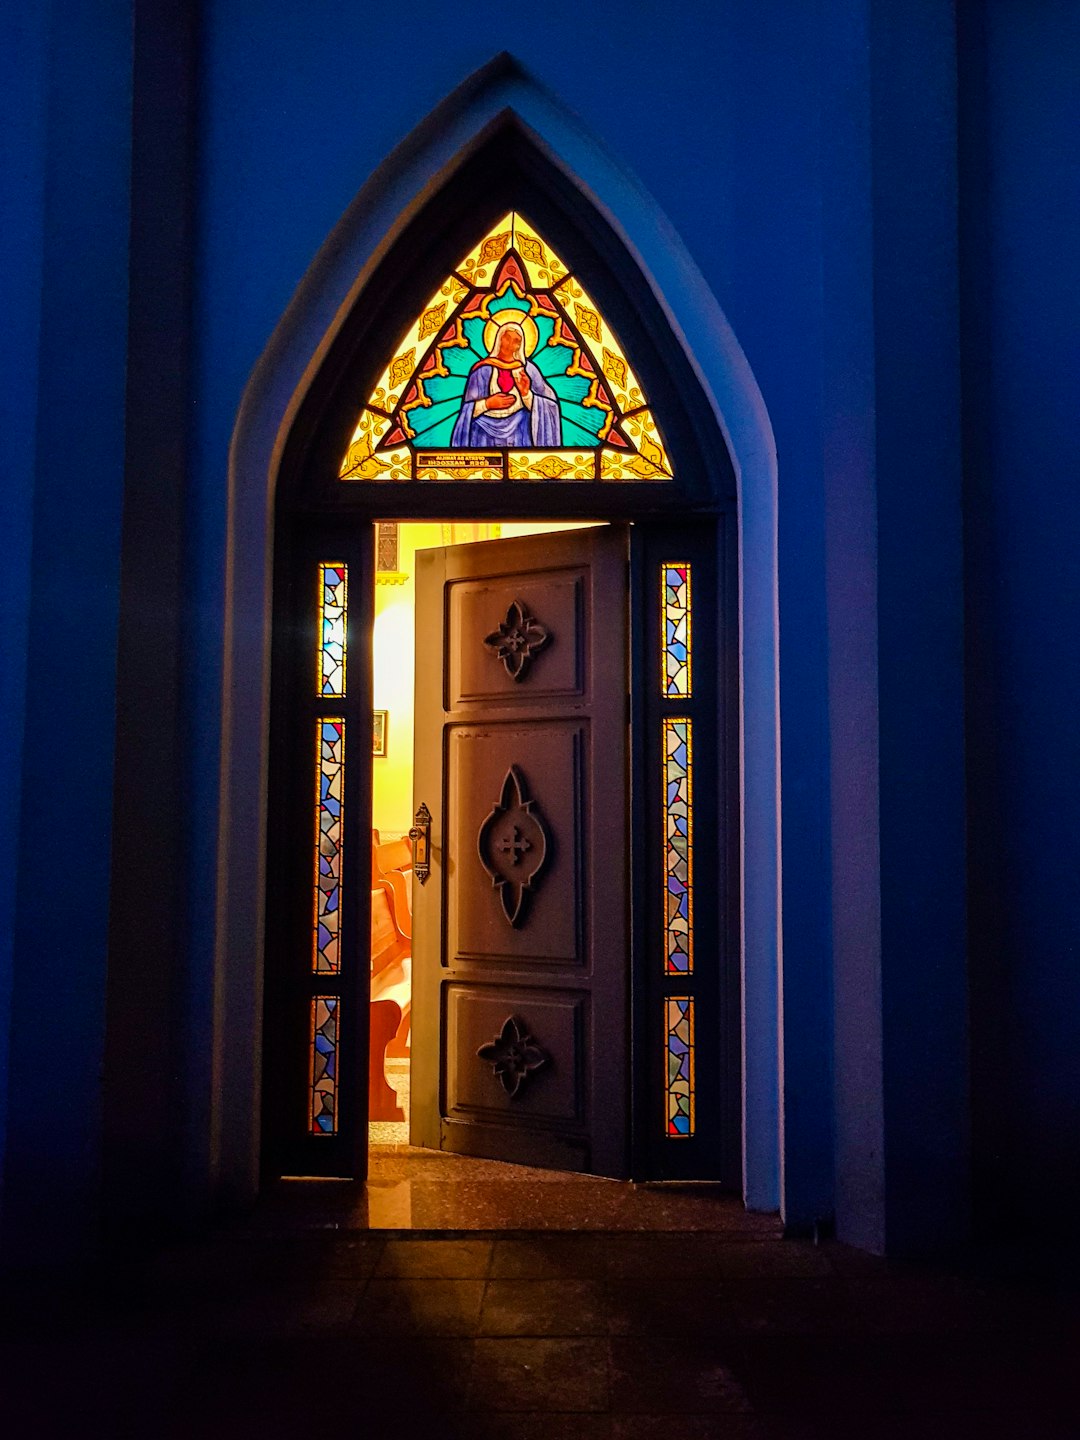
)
(895, 561)
(69, 484)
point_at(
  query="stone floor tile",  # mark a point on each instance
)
(539, 1375)
(435, 1259)
(540, 1425)
(658, 1376)
(720, 1307)
(550, 1257)
(689, 1427)
(783, 1306)
(707, 1256)
(343, 1385)
(925, 1303)
(641, 1306)
(420, 1307)
(882, 1376)
(544, 1307)
(277, 1311)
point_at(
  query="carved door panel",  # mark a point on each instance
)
(520, 941)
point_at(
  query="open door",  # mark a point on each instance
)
(521, 960)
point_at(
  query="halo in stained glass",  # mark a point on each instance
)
(510, 371)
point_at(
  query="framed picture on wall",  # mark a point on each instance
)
(378, 746)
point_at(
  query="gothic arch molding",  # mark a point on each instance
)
(499, 99)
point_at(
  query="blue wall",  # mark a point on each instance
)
(1022, 393)
(806, 155)
(730, 147)
(63, 494)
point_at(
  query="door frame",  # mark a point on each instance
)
(303, 540)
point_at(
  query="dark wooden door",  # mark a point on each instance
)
(521, 961)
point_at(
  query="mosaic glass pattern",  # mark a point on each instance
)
(330, 772)
(509, 371)
(324, 1051)
(675, 624)
(333, 615)
(678, 848)
(679, 1032)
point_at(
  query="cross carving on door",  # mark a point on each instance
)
(515, 845)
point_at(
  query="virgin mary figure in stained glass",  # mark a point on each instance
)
(507, 402)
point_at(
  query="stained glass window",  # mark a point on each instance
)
(509, 372)
(324, 1048)
(333, 614)
(678, 848)
(675, 626)
(330, 771)
(679, 1034)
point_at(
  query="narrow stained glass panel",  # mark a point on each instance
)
(678, 848)
(330, 773)
(333, 616)
(679, 1037)
(675, 625)
(324, 1050)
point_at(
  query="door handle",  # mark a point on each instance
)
(420, 835)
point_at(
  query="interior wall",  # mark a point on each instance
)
(394, 648)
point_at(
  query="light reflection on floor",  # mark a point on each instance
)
(412, 1189)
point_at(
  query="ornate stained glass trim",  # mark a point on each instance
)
(509, 372)
(678, 848)
(333, 617)
(675, 626)
(329, 790)
(324, 1066)
(679, 1043)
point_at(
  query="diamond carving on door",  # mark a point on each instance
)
(513, 846)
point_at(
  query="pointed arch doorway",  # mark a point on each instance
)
(635, 1051)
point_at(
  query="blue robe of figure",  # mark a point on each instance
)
(517, 429)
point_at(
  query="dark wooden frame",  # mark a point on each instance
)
(319, 518)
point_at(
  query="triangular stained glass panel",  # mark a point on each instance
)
(510, 371)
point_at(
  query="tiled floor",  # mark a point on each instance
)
(299, 1322)
(424, 1190)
